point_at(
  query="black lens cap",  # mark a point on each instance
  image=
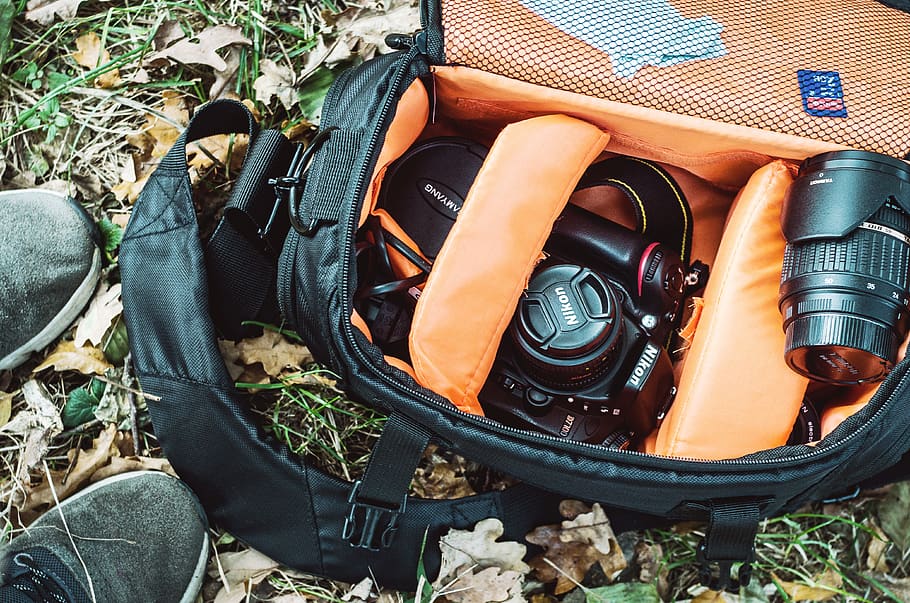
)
(424, 190)
(567, 324)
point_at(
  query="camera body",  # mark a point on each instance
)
(585, 355)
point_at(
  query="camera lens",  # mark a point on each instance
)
(568, 325)
(844, 287)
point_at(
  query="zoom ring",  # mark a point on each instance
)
(866, 252)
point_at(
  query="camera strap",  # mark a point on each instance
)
(661, 210)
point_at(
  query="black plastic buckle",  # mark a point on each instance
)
(720, 580)
(368, 526)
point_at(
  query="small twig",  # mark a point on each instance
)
(88, 576)
(131, 398)
(132, 390)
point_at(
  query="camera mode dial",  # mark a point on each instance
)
(568, 325)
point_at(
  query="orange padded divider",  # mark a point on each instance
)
(496, 241)
(844, 402)
(736, 393)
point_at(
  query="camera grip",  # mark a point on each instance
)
(496, 241)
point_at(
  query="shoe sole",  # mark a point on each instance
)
(73, 307)
(195, 585)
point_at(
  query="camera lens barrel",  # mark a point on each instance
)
(844, 285)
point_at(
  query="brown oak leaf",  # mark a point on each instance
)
(44, 11)
(479, 547)
(68, 357)
(104, 308)
(490, 585)
(573, 547)
(271, 349)
(826, 586)
(91, 54)
(202, 49)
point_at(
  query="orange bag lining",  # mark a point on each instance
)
(478, 104)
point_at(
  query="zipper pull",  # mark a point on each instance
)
(400, 41)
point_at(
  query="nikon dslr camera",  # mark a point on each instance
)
(584, 357)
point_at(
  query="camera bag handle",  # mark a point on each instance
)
(214, 440)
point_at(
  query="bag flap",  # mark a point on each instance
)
(827, 70)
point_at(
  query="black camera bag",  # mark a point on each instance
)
(180, 295)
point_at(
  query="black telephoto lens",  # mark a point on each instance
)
(844, 291)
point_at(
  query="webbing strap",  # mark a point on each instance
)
(379, 498)
(661, 209)
(253, 206)
(241, 256)
(729, 539)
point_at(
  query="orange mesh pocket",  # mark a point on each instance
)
(830, 70)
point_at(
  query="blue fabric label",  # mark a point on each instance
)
(822, 93)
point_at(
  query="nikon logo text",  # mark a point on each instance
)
(645, 363)
(565, 306)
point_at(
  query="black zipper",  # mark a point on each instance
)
(593, 450)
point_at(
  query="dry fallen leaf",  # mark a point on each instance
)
(202, 48)
(38, 423)
(362, 591)
(67, 482)
(6, 407)
(271, 349)
(169, 31)
(490, 585)
(478, 547)
(67, 357)
(161, 131)
(120, 464)
(225, 78)
(276, 80)
(444, 481)
(221, 148)
(363, 31)
(875, 552)
(44, 11)
(826, 586)
(242, 571)
(104, 308)
(711, 596)
(575, 546)
(91, 54)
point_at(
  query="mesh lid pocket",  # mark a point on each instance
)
(831, 70)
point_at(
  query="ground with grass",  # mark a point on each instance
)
(91, 96)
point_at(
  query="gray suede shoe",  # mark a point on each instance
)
(133, 537)
(50, 262)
